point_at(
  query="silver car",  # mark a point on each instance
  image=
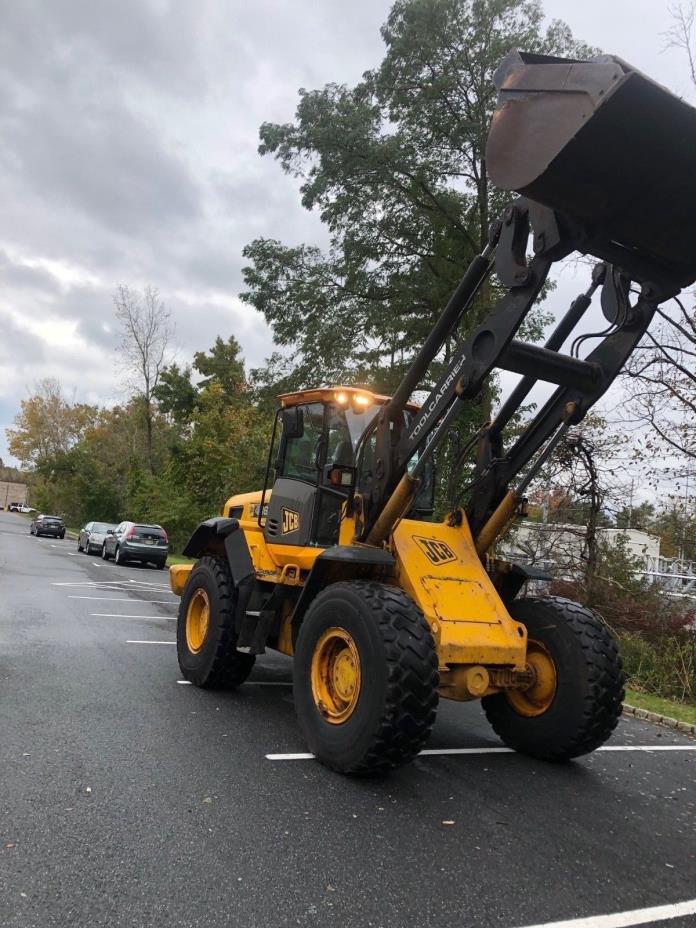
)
(92, 537)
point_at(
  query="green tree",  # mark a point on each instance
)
(175, 394)
(396, 168)
(223, 365)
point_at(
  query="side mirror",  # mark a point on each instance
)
(293, 422)
(339, 476)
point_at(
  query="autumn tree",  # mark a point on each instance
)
(47, 425)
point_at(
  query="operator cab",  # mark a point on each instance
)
(321, 458)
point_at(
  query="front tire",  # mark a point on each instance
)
(575, 703)
(365, 678)
(205, 634)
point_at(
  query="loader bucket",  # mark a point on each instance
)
(605, 146)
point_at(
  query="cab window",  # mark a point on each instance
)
(300, 454)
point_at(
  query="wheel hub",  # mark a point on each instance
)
(335, 675)
(537, 698)
(197, 620)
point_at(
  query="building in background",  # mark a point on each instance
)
(11, 492)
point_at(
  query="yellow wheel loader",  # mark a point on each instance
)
(339, 562)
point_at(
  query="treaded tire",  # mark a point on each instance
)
(105, 554)
(218, 664)
(590, 683)
(398, 698)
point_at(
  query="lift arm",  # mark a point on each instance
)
(550, 93)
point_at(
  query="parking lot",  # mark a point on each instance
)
(129, 798)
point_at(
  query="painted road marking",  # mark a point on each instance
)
(658, 913)
(120, 615)
(130, 641)
(250, 683)
(115, 599)
(433, 752)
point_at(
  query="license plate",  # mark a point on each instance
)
(149, 541)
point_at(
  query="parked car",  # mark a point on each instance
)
(131, 541)
(14, 507)
(48, 525)
(92, 537)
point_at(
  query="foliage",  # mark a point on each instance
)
(208, 441)
(395, 167)
(657, 636)
(47, 425)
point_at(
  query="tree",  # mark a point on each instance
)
(222, 364)
(146, 332)
(47, 425)
(396, 168)
(175, 394)
(661, 380)
(661, 375)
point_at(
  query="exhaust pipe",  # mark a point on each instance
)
(605, 147)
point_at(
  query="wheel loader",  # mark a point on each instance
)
(338, 562)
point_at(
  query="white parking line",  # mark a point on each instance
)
(116, 599)
(131, 641)
(441, 751)
(184, 682)
(120, 615)
(658, 913)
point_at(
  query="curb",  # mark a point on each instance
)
(685, 728)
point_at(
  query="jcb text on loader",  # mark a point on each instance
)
(384, 611)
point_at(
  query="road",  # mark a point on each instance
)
(129, 799)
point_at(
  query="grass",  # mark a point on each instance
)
(683, 712)
(179, 559)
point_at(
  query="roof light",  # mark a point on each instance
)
(341, 398)
(361, 400)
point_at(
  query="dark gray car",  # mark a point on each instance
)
(48, 525)
(92, 537)
(133, 541)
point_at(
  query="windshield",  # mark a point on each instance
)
(102, 527)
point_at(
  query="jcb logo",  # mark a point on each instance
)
(291, 521)
(437, 552)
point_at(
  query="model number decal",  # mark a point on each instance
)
(437, 552)
(291, 521)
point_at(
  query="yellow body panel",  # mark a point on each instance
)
(438, 567)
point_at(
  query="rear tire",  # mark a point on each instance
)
(118, 559)
(589, 689)
(382, 718)
(206, 645)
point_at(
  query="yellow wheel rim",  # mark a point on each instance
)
(537, 698)
(197, 620)
(335, 675)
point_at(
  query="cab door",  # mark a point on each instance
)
(298, 468)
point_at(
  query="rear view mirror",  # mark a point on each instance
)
(339, 476)
(293, 422)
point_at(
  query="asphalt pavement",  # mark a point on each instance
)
(130, 799)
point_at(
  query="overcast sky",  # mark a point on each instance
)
(128, 155)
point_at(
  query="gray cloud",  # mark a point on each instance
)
(129, 155)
